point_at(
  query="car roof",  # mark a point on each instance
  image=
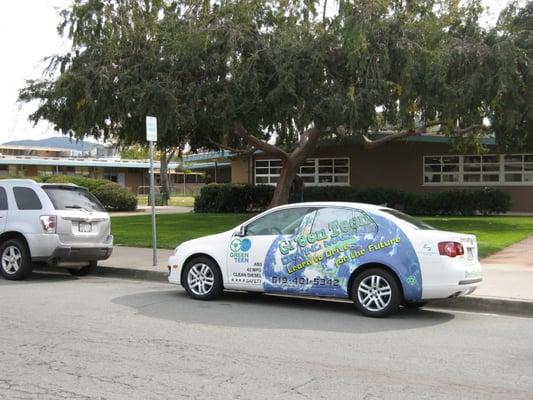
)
(362, 206)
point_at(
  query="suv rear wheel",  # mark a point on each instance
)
(15, 260)
(88, 270)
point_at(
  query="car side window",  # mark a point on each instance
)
(3, 199)
(26, 198)
(282, 222)
(336, 220)
(326, 218)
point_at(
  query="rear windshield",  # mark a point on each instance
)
(72, 198)
(407, 218)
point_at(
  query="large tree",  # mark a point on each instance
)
(279, 76)
(117, 72)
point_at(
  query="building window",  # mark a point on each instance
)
(506, 169)
(314, 171)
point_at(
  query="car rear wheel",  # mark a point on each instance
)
(15, 260)
(88, 270)
(202, 279)
(376, 292)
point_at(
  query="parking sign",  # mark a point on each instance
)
(151, 129)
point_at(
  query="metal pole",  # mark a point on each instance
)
(152, 202)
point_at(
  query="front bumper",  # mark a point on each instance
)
(174, 270)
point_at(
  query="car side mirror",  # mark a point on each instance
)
(240, 232)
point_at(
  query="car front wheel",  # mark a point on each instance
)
(15, 260)
(376, 293)
(202, 279)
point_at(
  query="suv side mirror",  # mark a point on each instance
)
(240, 232)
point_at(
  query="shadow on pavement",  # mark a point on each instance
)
(250, 310)
(43, 276)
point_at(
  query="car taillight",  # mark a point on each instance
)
(451, 249)
(49, 223)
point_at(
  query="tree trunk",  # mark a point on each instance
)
(283, 186)
(290, 161)
(163, 177)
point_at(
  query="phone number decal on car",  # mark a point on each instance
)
(285, 280)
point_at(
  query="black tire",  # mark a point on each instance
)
(88, 270)
(18, 249)
(414, 304)
(378, 304)
(211, 274)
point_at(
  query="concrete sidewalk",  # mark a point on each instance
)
(146, 210)
(507, 277)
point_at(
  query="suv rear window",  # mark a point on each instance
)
(407, 218)
(66, 198)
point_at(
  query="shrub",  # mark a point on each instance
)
(242, 198)
(90, 183)
(115, 198)
(228, 198)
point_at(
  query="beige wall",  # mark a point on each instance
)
(394, 165)
(240, 172)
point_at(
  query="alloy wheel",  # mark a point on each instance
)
(200, 279)
(11, 259)
(374, 293)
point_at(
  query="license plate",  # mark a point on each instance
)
(85, 227)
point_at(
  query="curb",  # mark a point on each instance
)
(129, 273)
(491, 305)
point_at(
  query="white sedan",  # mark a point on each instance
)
(376, 256)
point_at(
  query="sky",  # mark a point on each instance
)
(28, 33)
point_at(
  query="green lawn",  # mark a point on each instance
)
(172, 229)
(175, 201)
(493, 233)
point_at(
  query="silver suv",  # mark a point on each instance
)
(53, 224)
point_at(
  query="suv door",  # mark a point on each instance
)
(249, 255)
(3, 209)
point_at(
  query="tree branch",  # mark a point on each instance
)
(241, 132)
(308, 140)
(225, 147)
(372, 144)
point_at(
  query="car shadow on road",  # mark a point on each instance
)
(249, 310)
(43, 276)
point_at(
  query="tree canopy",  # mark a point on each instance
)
(281, 75)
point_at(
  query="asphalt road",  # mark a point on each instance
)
(98, 338)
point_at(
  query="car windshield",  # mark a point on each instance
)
(69, 198)
(407, 218)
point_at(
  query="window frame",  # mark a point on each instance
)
(272, 178)
(462, 172)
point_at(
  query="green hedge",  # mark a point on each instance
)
(115, 198)
(90, 183)
(233, 198)
(243, 198)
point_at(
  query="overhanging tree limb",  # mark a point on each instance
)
(268, 148)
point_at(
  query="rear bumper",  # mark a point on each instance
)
(77, 254)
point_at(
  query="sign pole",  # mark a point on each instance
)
(151, 136)
(152, 202)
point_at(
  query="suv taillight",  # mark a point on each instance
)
(49, 223)
(451, 249)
